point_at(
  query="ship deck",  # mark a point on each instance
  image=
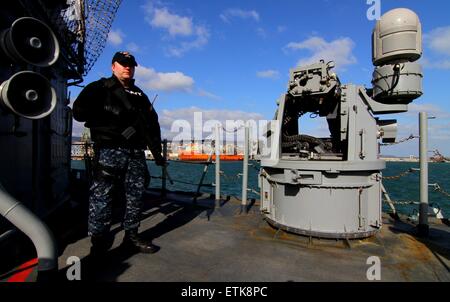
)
(218, 242)
(205, 241)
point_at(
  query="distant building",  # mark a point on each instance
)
(230, 149)
(86, 136)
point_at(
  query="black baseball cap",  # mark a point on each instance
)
(124, 58)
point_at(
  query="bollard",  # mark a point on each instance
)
(245, 171)
(217, 147)
(423, 228)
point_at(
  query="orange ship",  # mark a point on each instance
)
(204, 157)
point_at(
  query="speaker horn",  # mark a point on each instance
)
(30, 41)
(28, 94)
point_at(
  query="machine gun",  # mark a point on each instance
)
(331, 187)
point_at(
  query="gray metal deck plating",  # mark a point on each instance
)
(205, 242)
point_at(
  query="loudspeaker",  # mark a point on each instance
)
(30, 41)
(28, 94)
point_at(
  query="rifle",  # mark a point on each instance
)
(141, 123)
(153, 142)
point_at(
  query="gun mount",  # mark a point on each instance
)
(331, 187)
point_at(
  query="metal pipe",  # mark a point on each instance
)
(205, 170)
(389, 200)
(6, 235)
(217, 147)
(423, 227)
(27, 222)
(245, 170)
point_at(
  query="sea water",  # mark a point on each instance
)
(186, 177)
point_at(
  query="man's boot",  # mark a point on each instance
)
(98, 257)
(100, 244)
(134, 242)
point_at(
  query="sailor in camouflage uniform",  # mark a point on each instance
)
(122, 123)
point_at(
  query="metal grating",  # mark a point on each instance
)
(99, 19)
(82, 27)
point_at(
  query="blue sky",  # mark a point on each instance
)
(231, 59)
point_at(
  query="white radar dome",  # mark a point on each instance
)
(397, 36)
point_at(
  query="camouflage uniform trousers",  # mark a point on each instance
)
(114, 167)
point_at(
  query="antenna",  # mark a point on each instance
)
(154, 99)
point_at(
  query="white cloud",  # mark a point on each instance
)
(438, 134)
(435, 64)
(339, 51)
(431, 109)
(239, 13)
(316, 127)
(133, 47)
(182, 117)
(201, 39)
(209, 114)
(209, 95)
(115, 37)
(261, 32)
(268, 74)
(195, 36)
(438, 130)
(281, 28)
(77, 128)
(438, 138)
(438, 40)
(186, 116)
(171, 81)
(174, 24)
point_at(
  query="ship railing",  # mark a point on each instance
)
(424, 206)
(219, 174)
(218, 131)
(85, 151)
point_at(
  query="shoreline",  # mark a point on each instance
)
(387, 159)
(408, 160)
